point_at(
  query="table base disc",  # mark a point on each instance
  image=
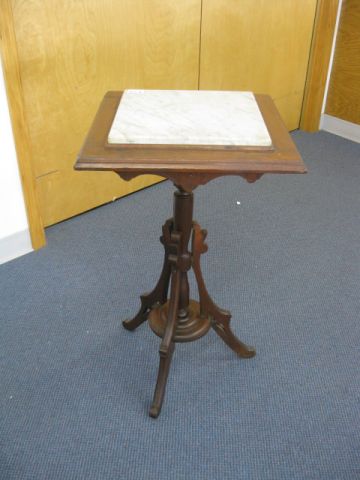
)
(192, 328)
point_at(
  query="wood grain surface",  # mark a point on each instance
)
(343, 99)
(10, 61)
(70, 53)
(321, 46)
(260, 46)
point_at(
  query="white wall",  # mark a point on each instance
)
(14, 230)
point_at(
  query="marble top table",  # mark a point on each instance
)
(189, 137)
(188, 164)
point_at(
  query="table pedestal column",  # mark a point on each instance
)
(179, 319)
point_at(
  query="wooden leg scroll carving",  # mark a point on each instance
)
(159, 294)
(220, 318)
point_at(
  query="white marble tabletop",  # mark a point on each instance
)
(189, 117)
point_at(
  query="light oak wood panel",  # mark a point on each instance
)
(343, 99)
(321, 46)
(14, 91)
(260, 46)
(71, 53)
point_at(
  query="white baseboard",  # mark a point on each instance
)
(345, 129)
(15, 245)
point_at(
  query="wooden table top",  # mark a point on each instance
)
(189, 165)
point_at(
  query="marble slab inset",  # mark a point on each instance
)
(189, 117)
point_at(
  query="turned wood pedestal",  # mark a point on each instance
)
(177, 318)
(170, 312)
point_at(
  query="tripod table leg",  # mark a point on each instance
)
(167, 345)
(159, 293)
(220, 318)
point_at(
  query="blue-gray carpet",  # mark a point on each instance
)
(76, 386)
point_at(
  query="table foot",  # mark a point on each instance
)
(220, 318)
(167, 345)
(224, 331)
(158, 295)
(140, 317)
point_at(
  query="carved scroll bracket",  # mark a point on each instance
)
(189, 181)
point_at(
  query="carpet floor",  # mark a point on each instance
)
(284, 258)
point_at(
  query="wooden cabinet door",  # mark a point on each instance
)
(70, 53)
(261, 46)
